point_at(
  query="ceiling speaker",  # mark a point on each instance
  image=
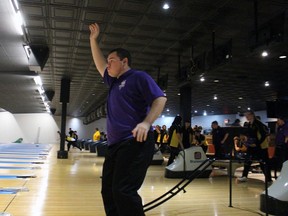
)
(38, 57)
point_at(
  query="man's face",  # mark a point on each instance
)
(249, 116)
(114, 65)
(214, 126)
(280, 122)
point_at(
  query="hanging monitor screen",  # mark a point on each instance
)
(277, 109)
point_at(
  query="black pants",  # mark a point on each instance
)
(219, 153)
(124, 170)
(204, 147)
(173, 153)
(257, 153)
(281, 155)
(74, 144)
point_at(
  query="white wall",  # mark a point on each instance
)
(40, 128)
(10, 129)
(205, 121)
(164, 121)
(83, 131)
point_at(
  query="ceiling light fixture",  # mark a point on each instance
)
(38, 81)
(195, 111)
(202, 79)
(15, 4)
(39, 84)
(166, 6)
(204, 113)
(266, 84)
(40, 90)
(264, 54)
(283, 57)
(27, 50)
(215, 97)
(216, 80)
(18, 20)
(168, 110)
(240, 98)
(178, 94)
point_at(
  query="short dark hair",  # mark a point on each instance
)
(282, 118)
(251, 112)
(122, 53)
(177, 120)
(215, 122)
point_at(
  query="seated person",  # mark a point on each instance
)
(200, 140)
(241, 143)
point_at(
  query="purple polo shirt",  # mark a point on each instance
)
(129, 100)
(282, 132)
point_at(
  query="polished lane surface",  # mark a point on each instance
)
(72, 187)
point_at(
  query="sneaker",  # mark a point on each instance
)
(242, 179)
(270, 182)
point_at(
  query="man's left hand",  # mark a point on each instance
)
(140, 131)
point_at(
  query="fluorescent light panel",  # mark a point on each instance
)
(17, 18)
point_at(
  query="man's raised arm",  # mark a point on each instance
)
(97, 54)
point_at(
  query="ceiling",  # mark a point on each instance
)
(218, 35)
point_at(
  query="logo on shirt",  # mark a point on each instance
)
(122, 85)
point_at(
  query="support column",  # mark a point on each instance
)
(185, 102)
(64, 98)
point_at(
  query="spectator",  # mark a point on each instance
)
(281, 152)
(219, 136)
(200, 140)
(187, 134)
(96, 135)
(157, 135)
(241, 144)
(175, 139)
(164, 139)
(236, 123)
(259, 151)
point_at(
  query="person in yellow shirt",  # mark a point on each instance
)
(96, 135)
(175, 139)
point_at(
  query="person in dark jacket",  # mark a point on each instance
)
(281, 151)
(175, 139)
(258, 151)
(219, 136)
